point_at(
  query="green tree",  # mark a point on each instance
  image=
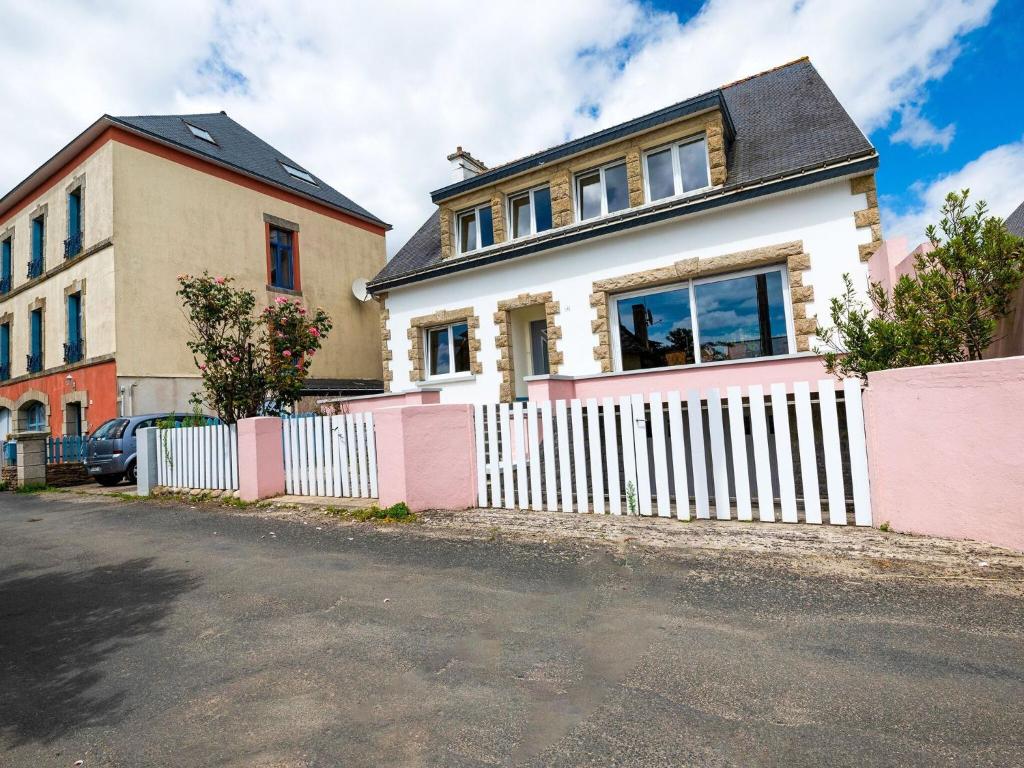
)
(946, 312)
(252, 364)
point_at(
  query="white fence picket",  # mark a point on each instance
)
(659, 456)
(353, 455)
(564, 461)
(807, 453)
(678, 441)
(492, 454)
(596, 467)
(858, 452)
(507, 489)
(371, 454)
(762, 456)
(627, 433)
(833, 455)
(719, 467)
(784, 452)
(550, 458)
(533, 438)
(611, 445)
(579, 456)
(643, 464)
(738, 444)
(481, 455)
(518, 432)
(695, 416)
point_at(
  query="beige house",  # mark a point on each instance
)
(91, 244)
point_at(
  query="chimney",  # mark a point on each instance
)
(464, 165)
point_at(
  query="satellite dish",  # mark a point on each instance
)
(359, 289)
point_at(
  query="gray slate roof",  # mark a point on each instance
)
(236, 146)
(786, 120)
(1014, 222)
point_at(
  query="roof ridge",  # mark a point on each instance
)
(768, 71)
(220, 113)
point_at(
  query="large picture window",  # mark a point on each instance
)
(474, 229)
(677, 170)
(733, 317)
(448, 349)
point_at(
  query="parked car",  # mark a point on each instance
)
(110, 456)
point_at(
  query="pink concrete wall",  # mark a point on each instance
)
(765, 372)
(946, 449)
(260, 458)
(368, 403)
(426, 456)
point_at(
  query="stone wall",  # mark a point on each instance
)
(867, 218)
(64, 475)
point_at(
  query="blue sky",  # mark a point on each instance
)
(372, 96)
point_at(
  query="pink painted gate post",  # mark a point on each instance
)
(260, 458)
(426, 456)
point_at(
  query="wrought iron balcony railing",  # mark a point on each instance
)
(74, 351)
(5, 371)
(73, 245)
(5, 284)
(34, 363)
(35, 268)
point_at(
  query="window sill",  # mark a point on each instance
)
(435, 381)
(286, 291)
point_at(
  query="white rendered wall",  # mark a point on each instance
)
(822, 217)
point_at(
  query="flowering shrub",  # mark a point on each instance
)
(252, 364)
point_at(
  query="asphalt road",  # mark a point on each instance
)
(155, 635)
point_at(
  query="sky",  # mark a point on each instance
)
(371, 96)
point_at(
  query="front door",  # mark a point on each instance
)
(73, 419)
(539, 348)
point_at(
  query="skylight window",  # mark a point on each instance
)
(199, 133)
(298, 173)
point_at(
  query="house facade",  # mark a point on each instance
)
(705, 236)
(93, 241)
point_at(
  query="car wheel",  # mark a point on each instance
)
(109, 479)
(129, 474)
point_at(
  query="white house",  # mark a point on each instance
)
(701, 240)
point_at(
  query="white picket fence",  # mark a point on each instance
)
(330, 456)
(681, 456)
(198, 457)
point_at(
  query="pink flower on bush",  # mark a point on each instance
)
(314, 332)
(202, 366)
(281, 300)
(287, 353)
(235, 359)
(310, 352)
(219, 280)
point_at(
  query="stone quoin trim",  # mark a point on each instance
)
(82, 398)
(791, 254)
(418, 327)
(385, 336)
(503, 341)
(29, 396)
(867, 217)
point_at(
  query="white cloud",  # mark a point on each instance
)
(372, 96)
(918, 131)
(994, 177)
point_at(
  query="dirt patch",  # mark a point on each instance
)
(842, 551)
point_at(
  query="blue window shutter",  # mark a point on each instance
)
(5, 258)
(74, 213)
(37, 238)
(74, 318)
(37, 332)
(5, 345)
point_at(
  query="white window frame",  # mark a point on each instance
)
(677, 170)
(475, 210)
(578, 202)
(452, 374)
(533, 211)
(613, 316)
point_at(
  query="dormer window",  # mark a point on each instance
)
(299, 174)
(199, 133)
(601, 191)
(530, 212)
(677, 170)
(474, 229)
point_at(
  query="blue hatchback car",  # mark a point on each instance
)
(110, 455)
